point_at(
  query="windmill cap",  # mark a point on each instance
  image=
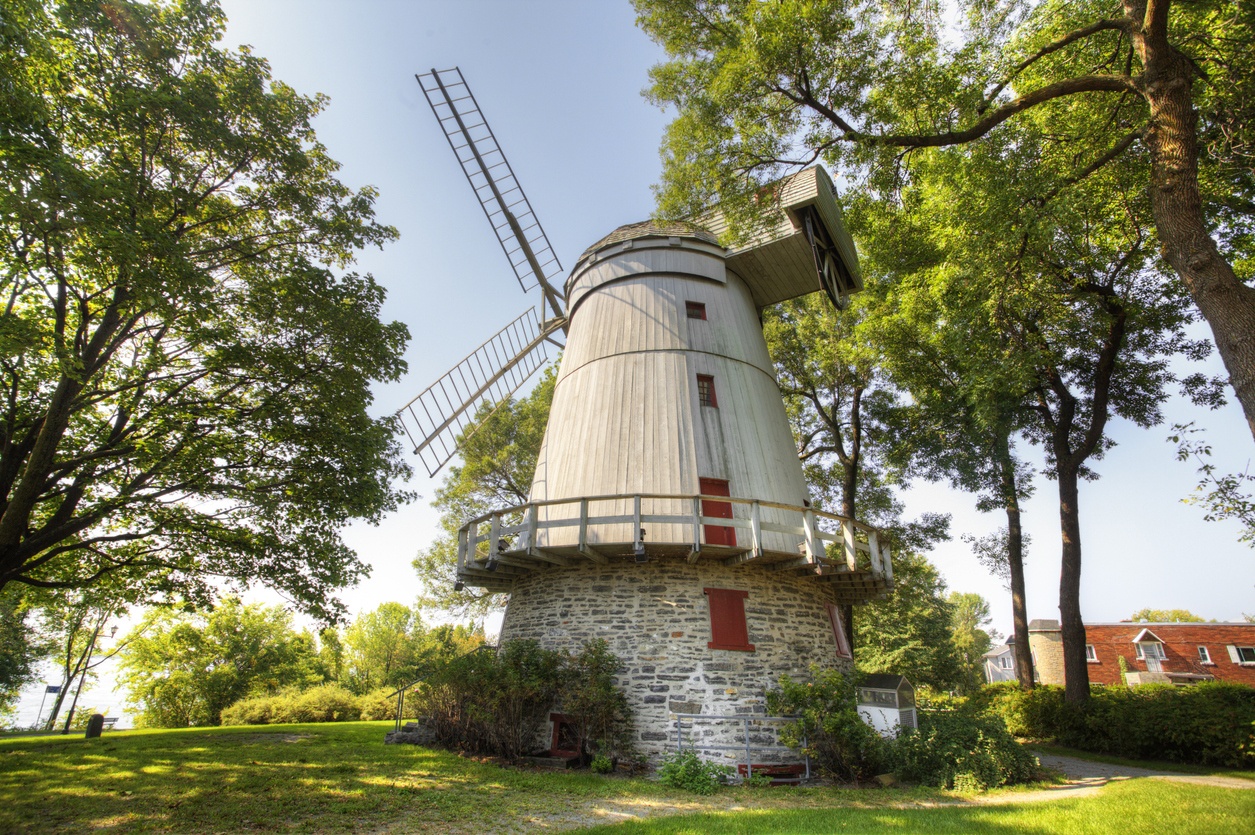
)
(653, 229)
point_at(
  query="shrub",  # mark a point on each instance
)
(960, 749)
(835, 736)
(593, 703)
(325, 703)
(685, 770)
(1206, 724)
(601, 764)
(382, 704)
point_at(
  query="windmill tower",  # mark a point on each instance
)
(668, 514)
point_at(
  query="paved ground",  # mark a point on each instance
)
(1086, 774)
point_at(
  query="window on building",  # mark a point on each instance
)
(1091, 655)
(1152, 651)
(728, 629)
(1204, 655)
(695, 310)
(706, 391)
(1242, 655)
(838, 631)
(1004, 662)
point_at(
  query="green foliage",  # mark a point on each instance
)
(968, 613)
(909, 633)
(685, 770)
(390, 647)
(1212, 723)
(496, 703)
(961, 749)
(1221, 495)
(324, 703)
(1165, 616)
(382, 704)
(593, 701)
(22, 645)
(183, 670)
(497, 464)
(830, 730)
(601, 764)
(188, 367)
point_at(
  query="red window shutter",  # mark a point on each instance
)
(728, 629)
(716, 534)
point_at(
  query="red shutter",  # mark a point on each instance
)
(717, 534)
(728, 629)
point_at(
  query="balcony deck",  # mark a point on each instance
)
(496, 548)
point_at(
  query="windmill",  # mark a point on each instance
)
(668, 514)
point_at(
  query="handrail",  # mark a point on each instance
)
(745, 719)
(513, 533)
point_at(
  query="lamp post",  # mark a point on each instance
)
(69, 717)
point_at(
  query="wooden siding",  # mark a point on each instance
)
(626, 417)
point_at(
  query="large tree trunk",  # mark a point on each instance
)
(1226, 303)
(1075, 669)
(1015, 565)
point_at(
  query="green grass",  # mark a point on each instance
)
(319, 778)
(1131, 808)
(1181, 768)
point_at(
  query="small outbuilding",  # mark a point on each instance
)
(887, 703)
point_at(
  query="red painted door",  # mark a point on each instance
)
(717, 534)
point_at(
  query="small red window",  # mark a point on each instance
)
(695, 310)
(838, 631)
(727, 620)
(706, 391)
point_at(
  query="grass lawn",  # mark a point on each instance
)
(341, 777)
(1183, 768)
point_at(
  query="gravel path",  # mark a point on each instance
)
(1087, 774)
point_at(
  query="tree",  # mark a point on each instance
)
(496, 470)
(73, 624)
(761, 87)
(909, 633)
(186, 377)
(969, 615)
(1165, 616)
(383, 648)
(182, 669)
(22, 646)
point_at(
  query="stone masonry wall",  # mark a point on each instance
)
(655, 618)
(1047, 648)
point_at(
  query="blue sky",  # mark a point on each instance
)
(560, 84)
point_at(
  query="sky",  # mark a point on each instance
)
(560, 84)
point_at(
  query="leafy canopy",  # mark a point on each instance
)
(182, 670)
(185, 366)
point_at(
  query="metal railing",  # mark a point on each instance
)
(746, 746)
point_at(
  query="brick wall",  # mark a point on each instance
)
(1181, 642)
(655, 618)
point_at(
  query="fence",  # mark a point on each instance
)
(747, 746)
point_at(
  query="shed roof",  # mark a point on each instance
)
(884, 681)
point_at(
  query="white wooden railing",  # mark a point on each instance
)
(513, 536)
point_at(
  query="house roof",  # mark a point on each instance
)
(1146, 635)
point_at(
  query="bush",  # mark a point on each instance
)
(836, 737)
(685, 770)
(601, 764)
(960, 749)
(1212, 723)
(382, 704)
(325, 703)
(497, 703)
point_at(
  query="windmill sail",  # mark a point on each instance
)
(451, 409)
(499, 193)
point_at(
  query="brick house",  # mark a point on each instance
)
(1176, 653)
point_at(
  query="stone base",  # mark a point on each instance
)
(413, 733)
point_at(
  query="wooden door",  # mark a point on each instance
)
(717, 534)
